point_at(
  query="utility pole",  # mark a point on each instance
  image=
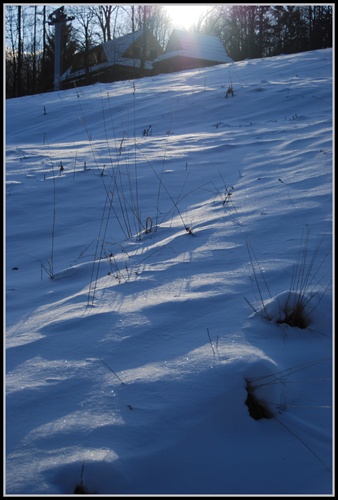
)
(57, 19)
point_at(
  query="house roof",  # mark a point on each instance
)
(114, 51)
(195, 46)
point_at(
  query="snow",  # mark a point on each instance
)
(148, 282)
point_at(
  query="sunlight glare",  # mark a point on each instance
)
(184, 16)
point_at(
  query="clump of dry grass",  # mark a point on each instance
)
(257, 408)
(80, 488)
(306, 288)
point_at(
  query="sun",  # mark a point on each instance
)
(185, 15)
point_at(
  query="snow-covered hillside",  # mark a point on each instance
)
(161, 241)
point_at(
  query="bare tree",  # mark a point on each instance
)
(153, 17)
(34, 49)
(86, 34)
(107, 16)
(205, 16)
(144, 48)
(20, 51)
(11, 52)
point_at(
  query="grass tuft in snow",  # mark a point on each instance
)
(294, 313)
(294, 306)
(257, 408)
(304, 295)
(80, 488)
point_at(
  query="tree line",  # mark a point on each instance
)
(246, 31)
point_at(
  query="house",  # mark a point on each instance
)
(127, 57)
(187, 50)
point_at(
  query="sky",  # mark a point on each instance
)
(168, 273)
(186, 15)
